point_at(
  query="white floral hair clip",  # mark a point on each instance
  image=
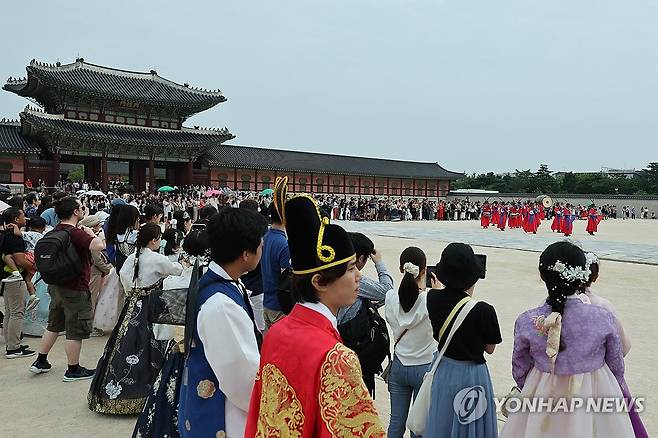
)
(590, 259)
(570, 273)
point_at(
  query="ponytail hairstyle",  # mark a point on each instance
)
(147, 232)
(412, 263)
(563, 268)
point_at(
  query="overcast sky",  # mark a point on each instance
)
(475, 85)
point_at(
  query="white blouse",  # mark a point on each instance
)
(152, 267)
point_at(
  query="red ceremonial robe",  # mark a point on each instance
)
(495, 215)
(486, 216)
(309, 384)
(593, 220)
(567, 222)
(513, 215)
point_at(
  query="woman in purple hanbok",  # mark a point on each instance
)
(588, 296)
(567, 351)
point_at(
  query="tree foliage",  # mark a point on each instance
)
(544, 181)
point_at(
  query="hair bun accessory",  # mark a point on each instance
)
(412, 269)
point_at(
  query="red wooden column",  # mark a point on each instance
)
(104, 176)
(294, 182)
(151, 175)
(56, 169)
(311, 188)
(388, 187)
(426, 188)
(256, 178)
(235, 178)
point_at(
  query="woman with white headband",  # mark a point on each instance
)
(406, 313)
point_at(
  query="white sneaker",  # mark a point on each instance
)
(13, 277)
(32, 302)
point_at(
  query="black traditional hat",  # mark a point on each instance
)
(314, 243)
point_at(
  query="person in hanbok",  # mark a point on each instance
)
(223, 354)
(567, 349)
(133, 357)
(556, 226)
(495, 214)
(159, 418)
(308, 383)
(593, 220)
(513, 216)
(588, 296)
(502, 221)
(567, 220)
(485, 219)
(531, 222)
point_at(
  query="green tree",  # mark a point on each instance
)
(77, 174)
(543, 181)
(569, 183)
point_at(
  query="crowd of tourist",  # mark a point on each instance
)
(244, 314)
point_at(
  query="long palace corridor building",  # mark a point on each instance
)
(98, 116)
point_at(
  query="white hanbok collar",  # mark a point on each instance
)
(324, 311)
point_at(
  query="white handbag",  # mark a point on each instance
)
(417, 419)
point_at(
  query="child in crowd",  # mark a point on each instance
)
(35, 229)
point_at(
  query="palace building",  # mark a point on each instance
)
(124, 123)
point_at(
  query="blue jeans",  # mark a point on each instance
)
(403, 382)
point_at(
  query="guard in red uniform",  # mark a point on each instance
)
(486, 215)
(513, 216)
(495, 214)
(502, 221)
(556, 226)
(593, 220)
(309, 385)
(567, 221)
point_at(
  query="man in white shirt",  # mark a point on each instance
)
(224, 355)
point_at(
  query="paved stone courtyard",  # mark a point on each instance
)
(38, 406)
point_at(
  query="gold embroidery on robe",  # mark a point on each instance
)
(281, 413)
(205, 389)
(345, 404)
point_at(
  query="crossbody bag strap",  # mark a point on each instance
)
(465, 310)
(400, 338)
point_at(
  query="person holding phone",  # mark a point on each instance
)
(463, 365)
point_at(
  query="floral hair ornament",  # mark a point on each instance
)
(590, 259)
(570, 273)
(412, 269)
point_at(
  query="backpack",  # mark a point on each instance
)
(367, 335)
(56, 258)
(284, 292)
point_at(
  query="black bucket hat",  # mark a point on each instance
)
(458, 268)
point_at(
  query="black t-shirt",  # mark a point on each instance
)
(478, 329)
(12, 243)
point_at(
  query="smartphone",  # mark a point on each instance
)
(483, 261)
(199, 227)
(428, 278)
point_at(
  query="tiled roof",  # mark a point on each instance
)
(105, 82)
(107, 133)
(12, 142)
(276, 159)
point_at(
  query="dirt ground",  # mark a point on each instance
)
(39, 406)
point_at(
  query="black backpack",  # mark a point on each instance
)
(284, 292)
(56, 258)
(367, 335)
